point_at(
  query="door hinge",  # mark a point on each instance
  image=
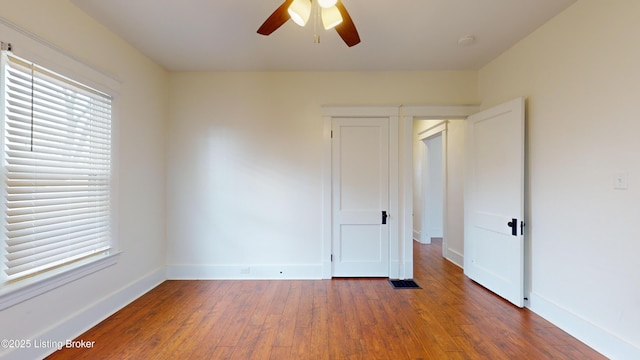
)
(331, 257)
(332, 134)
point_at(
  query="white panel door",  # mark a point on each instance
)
(494, 200)
(360, 161)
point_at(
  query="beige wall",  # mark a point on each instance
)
(245, 161)
(62, 313)
(581, 78)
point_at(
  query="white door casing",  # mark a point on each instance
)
(360, 169)
(494, 200)
(400, 176)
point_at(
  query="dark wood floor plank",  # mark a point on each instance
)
(281, 353)
(320, 324)
(304, 317)
(450, 317)
(241, 313)
(349, 327)
(267, 337)
(301, 348)
(287, 325)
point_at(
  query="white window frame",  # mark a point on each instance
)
(43, 53)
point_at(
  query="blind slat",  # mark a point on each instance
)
(68, 217)
(54, 236)
(71, 204)
(20, 248)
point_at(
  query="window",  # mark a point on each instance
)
(56, 163)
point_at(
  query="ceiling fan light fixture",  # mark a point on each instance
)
(331, 17)
(300, 10)
(325, 4)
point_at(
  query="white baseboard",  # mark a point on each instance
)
(244, 272)
(422, 238)
(601, 340)
(85, 319)
(455, 257)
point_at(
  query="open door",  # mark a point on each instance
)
(494, 200)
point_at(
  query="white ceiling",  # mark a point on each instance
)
(397, 35)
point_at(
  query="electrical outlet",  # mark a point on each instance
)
(245, 270)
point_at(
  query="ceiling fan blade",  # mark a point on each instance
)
(347, 29)
(277, 19)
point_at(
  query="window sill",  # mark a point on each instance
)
(13, 294)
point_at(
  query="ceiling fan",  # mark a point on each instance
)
(333, 12)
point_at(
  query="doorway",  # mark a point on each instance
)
(492, 129)
(438, 185)
(428, 192)
(433, 188)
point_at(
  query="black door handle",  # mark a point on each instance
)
(384, 217)
(513, 224)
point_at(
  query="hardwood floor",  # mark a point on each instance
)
(449, 318)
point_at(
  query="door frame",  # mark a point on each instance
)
(401, 119)
(387, 112)
(407, 116)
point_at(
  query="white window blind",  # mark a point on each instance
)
(57, 166)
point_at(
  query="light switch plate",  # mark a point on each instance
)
(621, 181)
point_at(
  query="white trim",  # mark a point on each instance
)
(439, 112)
(454, 257)
(406, 268)
(31, 287)
(397, 263)
(396, 256)
(394, 267)
(424, 238)
(433, 130)
(404, 114)
(75, 325)
(406, 194)
(38, 50)
(593, 335)
(327, 203)
(445, 189)
(245, 272)
(359, 111)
